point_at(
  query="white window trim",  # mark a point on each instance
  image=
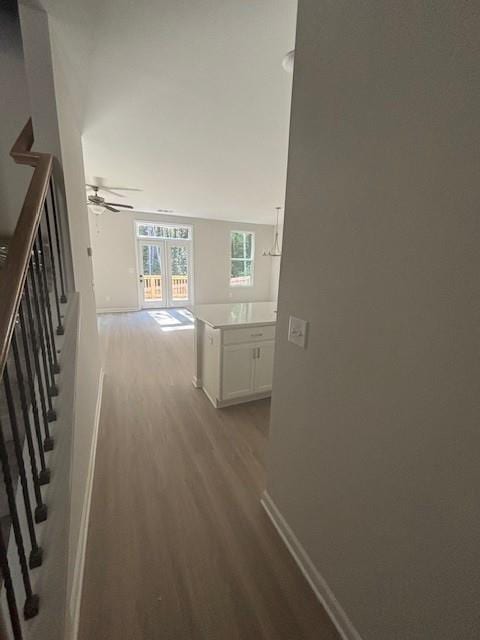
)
(252, 260)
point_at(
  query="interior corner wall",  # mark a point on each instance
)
(15, 112)
(116, 270)
(58, 131)
(373, 454)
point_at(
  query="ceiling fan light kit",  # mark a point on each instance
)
(96, 209)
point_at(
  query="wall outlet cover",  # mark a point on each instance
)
(297, 331)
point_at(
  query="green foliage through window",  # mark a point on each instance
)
(152, 264)
(146, 230)
(179, 261)
(241, 258)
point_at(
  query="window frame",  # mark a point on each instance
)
(244, 260)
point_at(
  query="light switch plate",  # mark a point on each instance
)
(297, 331)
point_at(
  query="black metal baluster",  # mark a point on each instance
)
(35, 558)
(41, 509)
(38, 266)
(59, 240)
(43, 336)
(60, 329)
(38, 346)
(10, 592)
(42, 264)
(44, 475)
(30, 608)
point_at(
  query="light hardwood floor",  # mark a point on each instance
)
(179, 546)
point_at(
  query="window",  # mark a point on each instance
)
(163, 231)
(241, 258)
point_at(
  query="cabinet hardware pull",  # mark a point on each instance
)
(256, 335)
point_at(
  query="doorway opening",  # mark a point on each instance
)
(164, 265)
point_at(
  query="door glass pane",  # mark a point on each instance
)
(179, 272)
(152, 272)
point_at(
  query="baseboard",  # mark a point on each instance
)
(321, 589)
(117, 309)
(77, 586)
(197, 382)
(222, 404)
(211, 398)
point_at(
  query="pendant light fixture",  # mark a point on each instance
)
(275, 250)
(289, 61)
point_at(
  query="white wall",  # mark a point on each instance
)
(88, 356)
(57, 130)
(115, 266)
(14, 108)
(375, 439)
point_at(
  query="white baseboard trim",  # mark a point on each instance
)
(77, 587)
(321, 589)
(117, 309)
(221, 404)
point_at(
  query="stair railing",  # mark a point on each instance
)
(32, 292)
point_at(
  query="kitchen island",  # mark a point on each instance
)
(234, 347)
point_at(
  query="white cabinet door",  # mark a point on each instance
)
(264, 367)
(238, 371)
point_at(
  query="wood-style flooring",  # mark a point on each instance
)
(179, 547)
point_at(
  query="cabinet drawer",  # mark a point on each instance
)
(252, 334)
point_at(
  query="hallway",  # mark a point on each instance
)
(179, 547)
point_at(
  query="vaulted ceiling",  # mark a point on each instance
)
(188, 100)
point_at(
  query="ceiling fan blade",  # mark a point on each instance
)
(117, 204)
(107, 206)
(97, 188)
(100, 184)
(107, 188)
(113, 193)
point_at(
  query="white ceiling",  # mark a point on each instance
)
(188, 100)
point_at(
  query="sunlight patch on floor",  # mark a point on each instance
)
(172, 319)
(163, 317)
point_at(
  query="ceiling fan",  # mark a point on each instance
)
(99, 204)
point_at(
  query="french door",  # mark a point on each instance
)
(165, 278)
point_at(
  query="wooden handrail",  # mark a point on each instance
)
(13, 274)
(21, 151)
